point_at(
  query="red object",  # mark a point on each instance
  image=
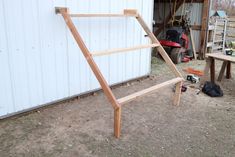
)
(169, 43)
(193, 71)
(176, 44)
(186, 40)
(185, 59)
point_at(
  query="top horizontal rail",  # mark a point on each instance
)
(99, 15)
(126, 12)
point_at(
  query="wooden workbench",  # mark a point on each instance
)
(210, 66)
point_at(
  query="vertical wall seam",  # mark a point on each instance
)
(140, 40)
(125, 43)
(43, 9)
(8, 57)
(89, 26)
(109, 38)
(25, 57)
(55, 59)
(67, 54)
(40, 51)
(151, 28)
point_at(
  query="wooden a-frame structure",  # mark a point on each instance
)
(117, 103)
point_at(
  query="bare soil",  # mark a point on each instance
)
(151, 126)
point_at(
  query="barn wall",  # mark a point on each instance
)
(162, 10)
(40, 61)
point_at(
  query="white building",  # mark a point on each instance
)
(40, 62)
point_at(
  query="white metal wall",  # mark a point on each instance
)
(40, 61)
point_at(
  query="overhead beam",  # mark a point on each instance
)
(193, 27)
(167, 19)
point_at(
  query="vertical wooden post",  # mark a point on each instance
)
(205, 17)
(117, 122)
(212, 70)
(206, 71)
(228, 72)
(193, 43)
(177, 93)
(104, 85)
(95, 69)
(222, 70)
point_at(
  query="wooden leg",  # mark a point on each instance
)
(117, 122)
(206, 71)
(212, 70)
(222, 70)
(228, 72)
(177, 93)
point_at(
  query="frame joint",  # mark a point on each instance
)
(130, 12)
(59, 10)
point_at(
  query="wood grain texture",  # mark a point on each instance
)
(113, 51)
(193, 44)
(107, 91)
(212, 70)
(148, 90)
(204, 25)
(117, 122)
(98, 15)
(221, 56)
(222, 70)
(228, 71)
(89, 58)
(177, 95)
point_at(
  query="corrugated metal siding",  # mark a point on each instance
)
(40, 61)
(162, 9)
(195, 12)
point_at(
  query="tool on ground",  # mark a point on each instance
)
(193, 78)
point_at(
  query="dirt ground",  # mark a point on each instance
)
(151, 126)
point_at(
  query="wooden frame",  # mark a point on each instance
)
(106, 52)
(204, 27)
(117, 104)
(193, 43)
(210, 66)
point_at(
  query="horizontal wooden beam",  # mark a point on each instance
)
(168, 17)
(148, 90)
(99, 15)
(221, 56)
(112, 51)
(193, 27)
(126, 12)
